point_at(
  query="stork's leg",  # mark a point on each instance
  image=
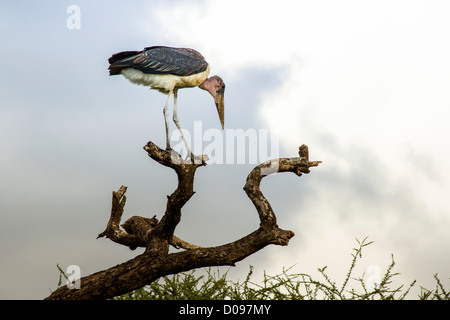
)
(166, 119)
(177, 122)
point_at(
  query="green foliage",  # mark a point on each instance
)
(183, 286)
(283, 286)
(439, 292)
(61, 275)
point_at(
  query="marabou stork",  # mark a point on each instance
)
(168, 69)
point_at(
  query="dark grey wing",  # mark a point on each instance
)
(167, 60)
(160, 60)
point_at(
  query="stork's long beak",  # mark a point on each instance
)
(219, 99)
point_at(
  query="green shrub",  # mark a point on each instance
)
(283, 286)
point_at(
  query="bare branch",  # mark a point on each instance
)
(296, 165)
(185, 171)
(137, 229)
(156, 235)
(113, 231)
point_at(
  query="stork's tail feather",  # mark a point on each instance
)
(116, 69)
(122, 55)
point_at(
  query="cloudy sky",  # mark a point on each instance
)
(365, 84)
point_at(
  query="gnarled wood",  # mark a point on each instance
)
(156, 236)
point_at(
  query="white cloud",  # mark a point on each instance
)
(360, 80)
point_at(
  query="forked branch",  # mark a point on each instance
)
(156, 236)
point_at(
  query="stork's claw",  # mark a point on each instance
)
(196, 160)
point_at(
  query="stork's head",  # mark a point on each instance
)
(216, 87)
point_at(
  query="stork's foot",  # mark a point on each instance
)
(197, 160)
(194, 159)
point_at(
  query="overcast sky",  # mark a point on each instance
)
(365, 84)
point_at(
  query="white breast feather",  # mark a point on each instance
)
(164, 82)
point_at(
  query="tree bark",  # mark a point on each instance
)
(156, 236)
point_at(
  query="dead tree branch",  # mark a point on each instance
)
(156, 236)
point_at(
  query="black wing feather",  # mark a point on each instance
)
(121, 55)
(159, 60)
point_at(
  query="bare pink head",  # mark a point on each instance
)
(216, 87)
